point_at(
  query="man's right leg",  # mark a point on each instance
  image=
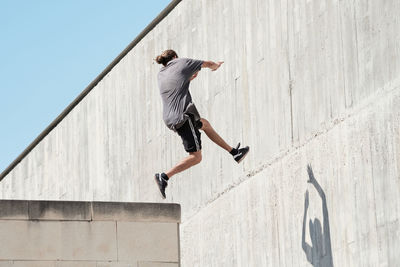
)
(162, 178)
(191, 160)
(192, 144)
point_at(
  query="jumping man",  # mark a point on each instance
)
(181, 115)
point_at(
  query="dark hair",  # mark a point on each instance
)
(166, 57)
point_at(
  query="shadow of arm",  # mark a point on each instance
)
(306, 247)
(326, 229)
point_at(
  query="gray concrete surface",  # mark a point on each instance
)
(51, 233)
(304, 83)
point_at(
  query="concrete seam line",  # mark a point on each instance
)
(116, 238)
(179, 243)
(91, 211)
(29, 210)
(85, 92)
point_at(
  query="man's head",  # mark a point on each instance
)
(166, 57)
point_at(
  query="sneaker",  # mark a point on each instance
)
(162, 184)
(240, 153)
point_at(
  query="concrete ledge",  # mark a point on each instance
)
(85, 264)
(88, 234)
(104, 211)
(88, 211)
(59, 210)
(14, 210)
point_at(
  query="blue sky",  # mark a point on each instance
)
(50, 51)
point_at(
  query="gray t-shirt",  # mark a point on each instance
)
(173, 81)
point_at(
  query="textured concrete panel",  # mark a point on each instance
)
(270, 230)
(145, 241)
(27, 240)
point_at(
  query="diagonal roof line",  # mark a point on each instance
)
(82, 95)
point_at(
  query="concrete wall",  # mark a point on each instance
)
(88, 234)
(304, 83)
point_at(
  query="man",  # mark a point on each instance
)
(181, 115)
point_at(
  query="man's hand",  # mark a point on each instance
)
(215, 66)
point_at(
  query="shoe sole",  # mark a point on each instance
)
(244, 156)
(159, 189)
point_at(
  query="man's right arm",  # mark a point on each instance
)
(211, 65)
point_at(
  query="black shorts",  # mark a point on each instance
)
(191, 137)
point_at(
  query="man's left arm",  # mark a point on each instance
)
(206, 64)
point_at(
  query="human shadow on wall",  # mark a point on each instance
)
(320, 253)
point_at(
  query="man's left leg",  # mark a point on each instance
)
(238, 153)
(213, 135)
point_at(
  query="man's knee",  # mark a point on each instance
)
(196, 157)
(206, 124)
